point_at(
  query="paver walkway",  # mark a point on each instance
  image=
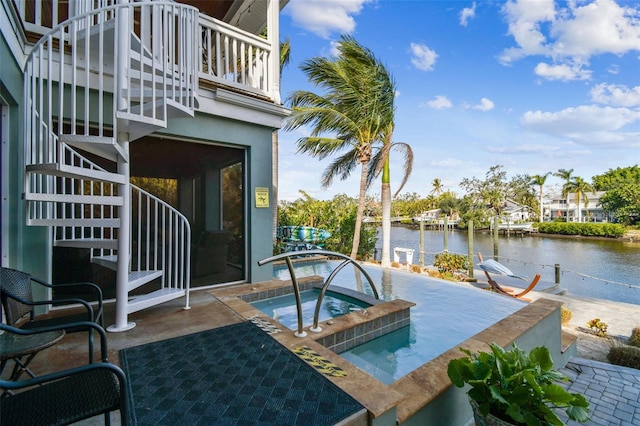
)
(613, 392)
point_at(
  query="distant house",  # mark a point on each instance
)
(566, 208)
(515, 213)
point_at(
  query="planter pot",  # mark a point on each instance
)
(488, 420)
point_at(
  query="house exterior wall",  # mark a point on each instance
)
(256, 140)
(23, 247)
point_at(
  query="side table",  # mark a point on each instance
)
(23, 348)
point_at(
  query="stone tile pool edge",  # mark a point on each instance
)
(410, 399)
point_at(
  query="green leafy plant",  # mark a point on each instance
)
(450, 262)
(598, 327)
(516, 387)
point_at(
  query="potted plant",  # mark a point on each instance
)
(513, 387)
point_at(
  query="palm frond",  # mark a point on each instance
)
(341, 167)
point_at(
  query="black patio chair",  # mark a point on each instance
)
(18, 300)
(19, 305)
(66, 396)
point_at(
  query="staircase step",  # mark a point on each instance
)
(102, 223)
(136, 278)
(102, 146)
(77, 199)
(93, 35)
(139, 278)
(63, 170)
(98, 243)
(109, 262)
(144, 301)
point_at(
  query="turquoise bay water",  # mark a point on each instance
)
(589, 268)
(445, 315)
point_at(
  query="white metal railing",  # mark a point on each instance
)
(77, 87)
(160, 239)
(72, 70)
(228, 55)
(234, 57)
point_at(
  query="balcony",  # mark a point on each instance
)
(231, 57)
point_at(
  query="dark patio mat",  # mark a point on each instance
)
(233, 375)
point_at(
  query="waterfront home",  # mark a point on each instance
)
(565, 207)
(144, 128)
(513, 212)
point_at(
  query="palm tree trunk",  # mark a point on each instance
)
(360, 211)
(540, 219)
(385, 199)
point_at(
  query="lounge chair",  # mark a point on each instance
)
(491, 266)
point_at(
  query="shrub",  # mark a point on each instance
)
(395, 264)
(565, 315)
(626, 356)
(416, 268)
(450, 262)
(611, 230)
(598, 327)
(634, 340)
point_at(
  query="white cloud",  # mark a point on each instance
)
(467, 13)
(524, 19)
(616, 95)
(587, 125)
(440, 102)
(570, 36)
(423, 58)
(564, 72)
(324, 17)
(484, 105)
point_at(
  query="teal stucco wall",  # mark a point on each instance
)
(256, 141)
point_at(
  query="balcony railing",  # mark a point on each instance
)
(235, 58)
(230, 57)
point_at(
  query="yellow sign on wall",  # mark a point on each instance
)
(262, 197)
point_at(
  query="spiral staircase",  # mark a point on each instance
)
(93, 85)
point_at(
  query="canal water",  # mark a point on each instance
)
(589, 268)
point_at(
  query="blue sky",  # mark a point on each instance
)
(533, 85)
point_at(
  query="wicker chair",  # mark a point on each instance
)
(19, 305)
(67, 396)
(18, 301)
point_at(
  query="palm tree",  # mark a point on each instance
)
(540, 180)
(438, 189)
(565, 175)
(355, 108)
(381, 163)
(580, 187)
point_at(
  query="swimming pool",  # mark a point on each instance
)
(445, 315)
(283, 308)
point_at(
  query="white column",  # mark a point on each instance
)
(124, 190)
(273, 35)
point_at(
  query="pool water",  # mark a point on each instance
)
(283, 308)
(445, 315)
